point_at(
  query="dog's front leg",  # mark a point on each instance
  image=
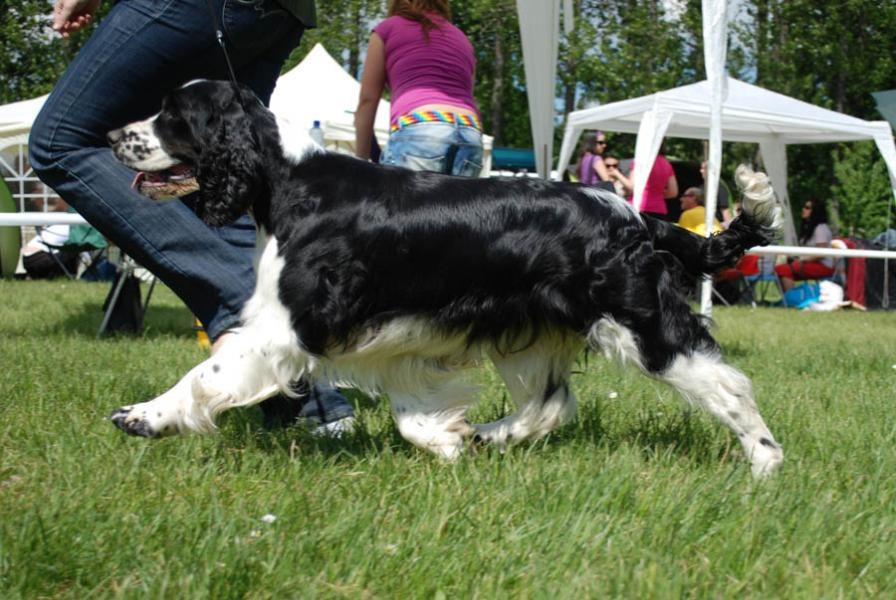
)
(238, 375)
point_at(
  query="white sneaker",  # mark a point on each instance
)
(335, 429)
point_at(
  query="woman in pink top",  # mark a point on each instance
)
(661, 184)
(429, 66)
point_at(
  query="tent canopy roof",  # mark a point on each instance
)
(17, 117)
(319, 89)
(749, 114)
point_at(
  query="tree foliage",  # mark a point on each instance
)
(343, 28)
(32, 57)
(831, 54)
(861, 191)
(493, 29)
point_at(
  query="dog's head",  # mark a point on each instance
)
(201, 139)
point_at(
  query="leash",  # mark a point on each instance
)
(219, 35)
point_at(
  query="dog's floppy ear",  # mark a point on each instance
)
(229, 166)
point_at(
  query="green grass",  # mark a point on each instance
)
(641, 497)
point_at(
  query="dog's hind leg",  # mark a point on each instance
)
(434, 418)
(537, 379)
(689, 360)
(704, 379)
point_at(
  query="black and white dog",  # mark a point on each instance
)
(397, 281)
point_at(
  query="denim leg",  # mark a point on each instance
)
(139, 52)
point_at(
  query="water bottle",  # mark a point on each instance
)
(317, 134)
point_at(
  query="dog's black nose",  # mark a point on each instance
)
(114, 136)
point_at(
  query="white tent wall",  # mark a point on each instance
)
(16, 117)
(774, 161)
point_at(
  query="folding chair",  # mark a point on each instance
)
(92, 247)
(123, 308)
(732, 285)
(763, 280)
(79, 253)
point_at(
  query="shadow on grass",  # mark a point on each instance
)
(658, 433)
(374, 433)
(159, 321)
(662, 431)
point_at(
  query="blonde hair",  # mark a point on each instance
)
(416, 10)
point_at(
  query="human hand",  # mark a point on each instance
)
(71, 15)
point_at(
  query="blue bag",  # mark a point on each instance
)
(802, 295)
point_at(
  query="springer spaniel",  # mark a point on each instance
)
(398, 281)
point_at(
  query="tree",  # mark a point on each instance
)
(343, 27)
(32, 57)
(626, 48)
(493, 29)
(862, 192)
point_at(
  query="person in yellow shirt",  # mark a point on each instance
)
(693, 214)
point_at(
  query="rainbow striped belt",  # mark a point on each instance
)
(435, 116)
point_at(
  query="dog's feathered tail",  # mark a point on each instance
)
(757, 225)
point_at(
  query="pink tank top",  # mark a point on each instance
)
(418, 72)
(654, 191)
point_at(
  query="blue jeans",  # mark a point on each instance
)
(139, 52)
(441, 147)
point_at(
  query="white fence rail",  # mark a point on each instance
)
(40, 218)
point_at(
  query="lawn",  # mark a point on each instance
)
(641, 497)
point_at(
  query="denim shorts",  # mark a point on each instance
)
(446, 148)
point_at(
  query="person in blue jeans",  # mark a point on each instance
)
(429, 66)
(139, 52)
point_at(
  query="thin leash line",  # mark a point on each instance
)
(219, 35)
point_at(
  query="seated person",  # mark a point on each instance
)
(614, 168)
(43, 255)
(813, 232)
(693, 213)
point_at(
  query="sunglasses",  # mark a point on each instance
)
(807, 207)
(604, 142)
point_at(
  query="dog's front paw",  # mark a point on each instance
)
(133, 422)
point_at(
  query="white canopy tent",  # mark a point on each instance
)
(319, 89)
(715, 109)
(749, 114)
